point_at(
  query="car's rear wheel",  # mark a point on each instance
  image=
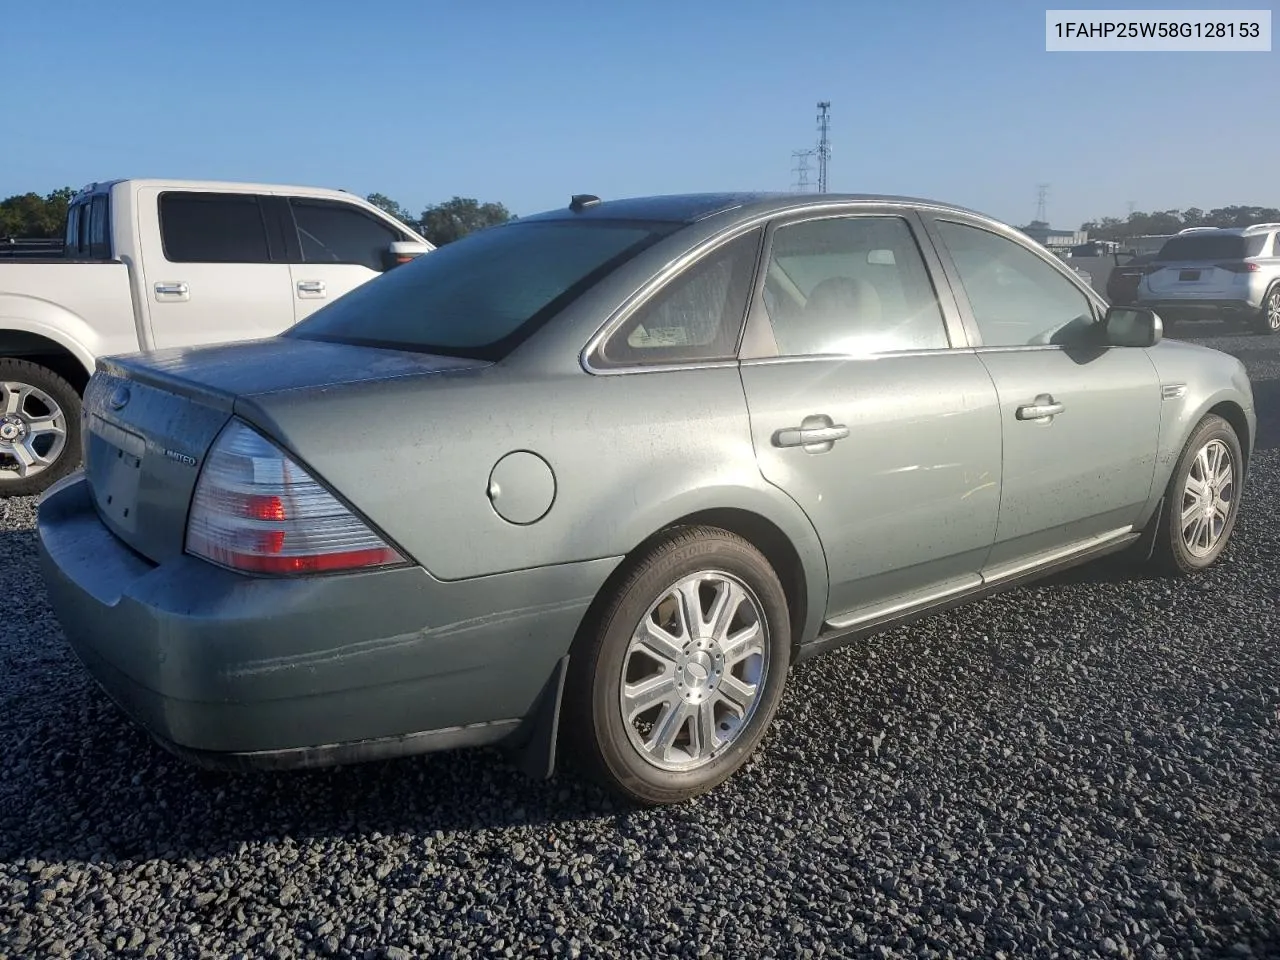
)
(1202, 499)
(680, 673)
(39, 428)
(1268, 321)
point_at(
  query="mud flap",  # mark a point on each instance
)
(534, 750)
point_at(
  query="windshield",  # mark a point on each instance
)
(1206, 246)
(482, 295)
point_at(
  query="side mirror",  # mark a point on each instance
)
(1132, 327)
(402, 251)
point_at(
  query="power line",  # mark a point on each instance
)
(801, 169)
(1042, 198)
(824, 143)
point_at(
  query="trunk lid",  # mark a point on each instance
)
(150, 419)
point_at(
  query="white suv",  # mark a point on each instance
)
(1209, 272)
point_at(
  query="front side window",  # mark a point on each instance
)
(1017, 299)
(213, 228)
(697, 316)
(331, 232)
(482, 295)
(850, 286)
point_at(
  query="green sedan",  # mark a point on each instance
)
(589, 483)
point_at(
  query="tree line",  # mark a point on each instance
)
(1140, 224)
(31, 216)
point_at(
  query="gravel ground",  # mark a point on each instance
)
(1086, 767)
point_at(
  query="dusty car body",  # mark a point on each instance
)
(603, 474)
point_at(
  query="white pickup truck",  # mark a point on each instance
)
(149, 264)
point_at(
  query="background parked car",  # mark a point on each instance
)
(1211, 273)
(165, 263)
(609, 471)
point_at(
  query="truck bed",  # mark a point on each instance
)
(89, 302)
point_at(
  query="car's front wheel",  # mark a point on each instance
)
(1202, 499)
(682, 669)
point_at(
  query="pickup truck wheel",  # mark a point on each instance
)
(673, 689)
(1202, 500)
(39, 428)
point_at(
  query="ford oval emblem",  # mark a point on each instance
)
(119, 398)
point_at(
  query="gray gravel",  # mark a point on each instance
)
(1090, 767)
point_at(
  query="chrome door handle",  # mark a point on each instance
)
(1044, 408)
(179, 290)
(311, 288)
(810, 436)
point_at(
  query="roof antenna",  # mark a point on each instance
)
(580, 201)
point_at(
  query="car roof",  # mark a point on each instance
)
(691, 207)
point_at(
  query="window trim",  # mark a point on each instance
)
(257, 198)
(1097, 305)
(763, 346)
(291, 226)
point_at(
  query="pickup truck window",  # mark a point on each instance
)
(99, 236)
(332, 232)
(213, 228)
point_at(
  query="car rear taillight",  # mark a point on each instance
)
(257, 511)
(1245, 267)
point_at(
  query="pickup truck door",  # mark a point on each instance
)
(212, 269)
(339, 246)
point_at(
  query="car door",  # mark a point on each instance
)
(869, 410)
(1081, 420)
(211, 273)
(339, 246)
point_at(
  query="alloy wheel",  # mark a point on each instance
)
(1208, 497)
(694, 671)
(33, 430)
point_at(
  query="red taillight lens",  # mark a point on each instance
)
(1245, 267)
(257, 511)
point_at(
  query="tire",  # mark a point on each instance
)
(1268, 319)
(1180, 554)
(29, 394)
(696, 674)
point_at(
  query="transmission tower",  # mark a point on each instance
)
(801, 169)
(1042, 198)
(824, 143)
(1132, 205)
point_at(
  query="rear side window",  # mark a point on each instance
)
(1253, 246)
(340, 233)
(213, 228)
(72, 241)
(482, 295)
(1211, 246)
(696, 316)
(99, 235)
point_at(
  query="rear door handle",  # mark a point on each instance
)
(816, 434)
(310, 288)
(1044, 408)
(173, 291)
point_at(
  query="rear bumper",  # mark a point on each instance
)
(237, 671)
(1189, 309)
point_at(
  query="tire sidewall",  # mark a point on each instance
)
(67, 398)
(1211, 428)
(621, 762)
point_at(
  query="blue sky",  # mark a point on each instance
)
(528, 102)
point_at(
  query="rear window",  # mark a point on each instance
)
(482, 295)
(1212, 246)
